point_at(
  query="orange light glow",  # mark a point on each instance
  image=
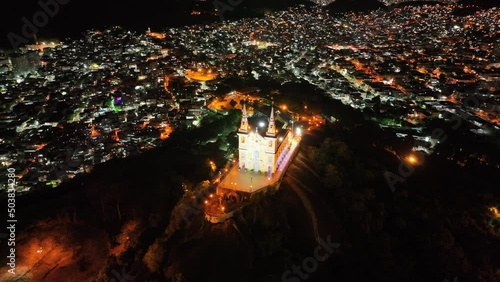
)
(167, 82)
(213, 166)
(495, 212)
(142, 126)
(95, 133)
(167, 130)
(452, 99)
(156, 35)
(201, 75)
(375, 76)
(412, 159)
(116, 137)
(489, 116)
(40, 147)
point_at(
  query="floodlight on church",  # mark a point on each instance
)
(262, 124)
(298, 131)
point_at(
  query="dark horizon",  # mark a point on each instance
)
(77, 16)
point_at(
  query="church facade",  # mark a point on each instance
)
(259, 150)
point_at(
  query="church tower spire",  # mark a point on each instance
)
(244, 120)
(271, 130)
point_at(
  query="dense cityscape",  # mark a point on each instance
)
(114, 93)
(232, 150)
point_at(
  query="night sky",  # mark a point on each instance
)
(79, 15)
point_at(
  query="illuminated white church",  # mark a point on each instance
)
(260, 149)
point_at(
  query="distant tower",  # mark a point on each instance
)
(271, 130)
(244, 120)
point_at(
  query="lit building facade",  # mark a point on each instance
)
(259, 150)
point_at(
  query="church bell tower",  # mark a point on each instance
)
(243, 139)
(271, 130)
(244, 120)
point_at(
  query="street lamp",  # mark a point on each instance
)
(412, 159)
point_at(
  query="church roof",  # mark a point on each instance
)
(260, 121)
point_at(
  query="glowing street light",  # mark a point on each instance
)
(412, 159)
(495, 212)
(212, 165)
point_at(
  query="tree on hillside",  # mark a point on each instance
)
(233, 103)
(333, 178)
